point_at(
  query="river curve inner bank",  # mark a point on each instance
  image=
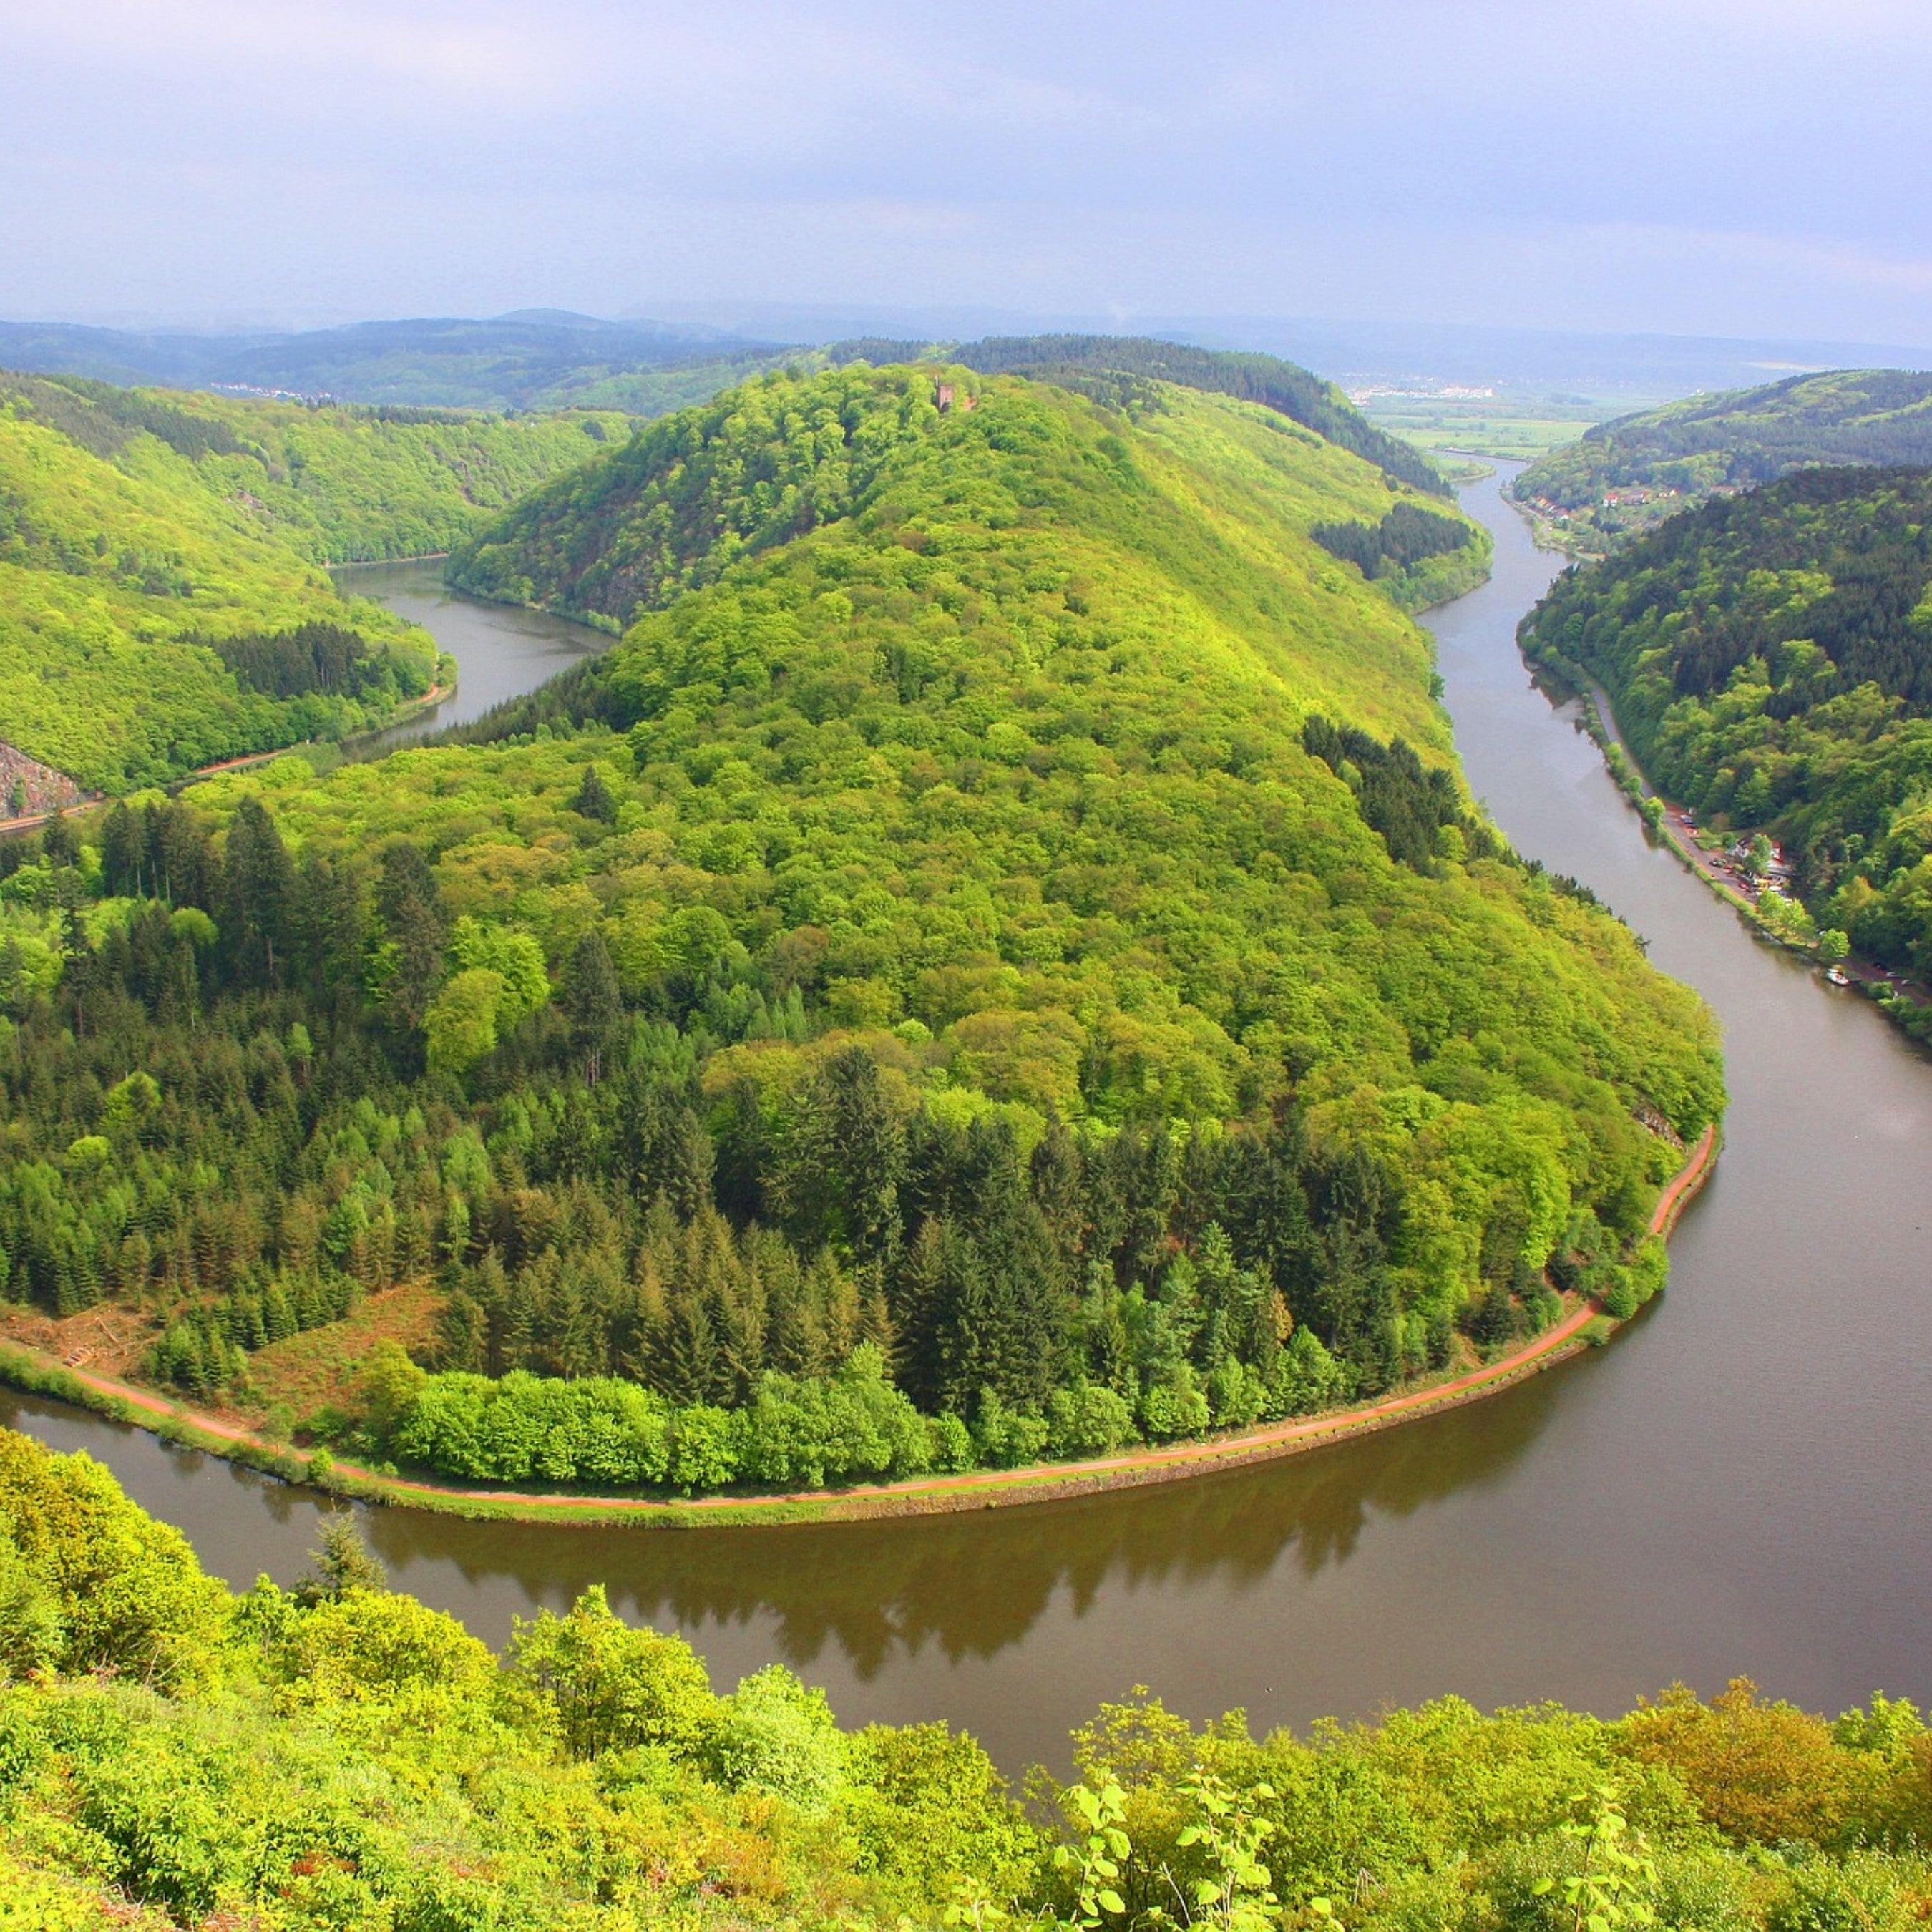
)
(929, 1496)
(1735, 1486)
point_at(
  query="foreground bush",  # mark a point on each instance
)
(340, 1755)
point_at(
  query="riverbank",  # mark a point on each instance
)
(439, 693)
(1584, 1325)
(1675, 828)
(1547, 534)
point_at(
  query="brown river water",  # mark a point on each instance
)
(1742, 1482)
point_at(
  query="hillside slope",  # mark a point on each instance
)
(1029, 923)
(1770, 658)
(764, 464)
(1621, 478)
(1095, 364)
(160, 604)
(338, 485)
(146, 629)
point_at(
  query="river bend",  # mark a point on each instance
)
(1741, 1483)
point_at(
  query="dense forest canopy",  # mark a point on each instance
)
(1392, 549)
(997, 958)
(160, 607)
(686, 497)
(340, 484)
(1770, 658)
(123, 583)
(337, 1754)
(1659, 462)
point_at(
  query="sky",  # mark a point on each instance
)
(1754, 168)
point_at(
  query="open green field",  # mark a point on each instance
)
(1511, 422)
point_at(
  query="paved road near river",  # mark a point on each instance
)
(1742, 1482)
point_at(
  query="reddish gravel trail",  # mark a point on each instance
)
(987, 1488)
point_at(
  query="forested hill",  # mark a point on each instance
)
(149, 623)
(541, 359)
(1012, 967)
(161, 606)
(1117, 370)
(339, 483)
(1770, 658)
(1661, 461)
(763, 464)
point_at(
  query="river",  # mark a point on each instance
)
(1741, 1483)
(501, 651)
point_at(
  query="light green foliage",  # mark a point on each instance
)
(775, 1734)
(387, 1385)
(850, 1427)
(515, 957)
(1121, 371)
(929, 1810)
(460, 1024)
(376, 1646)
(1092, 1862)
(1616, 1876)
(613, 1687)
(1235, 1891)
(340, 483)
(351, 1759)
(98, 1584)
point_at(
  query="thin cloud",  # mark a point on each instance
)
(1399, 155)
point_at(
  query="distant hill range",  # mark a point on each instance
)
(1625, 476)
(532, 359)
(549, 359)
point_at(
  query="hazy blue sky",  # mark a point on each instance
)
(1732, 167)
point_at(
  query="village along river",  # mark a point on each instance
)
(1741, 1483)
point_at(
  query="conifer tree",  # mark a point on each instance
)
(593, 798)
(592, 1002)
(416, 925)
(258, 894)
(121, 851)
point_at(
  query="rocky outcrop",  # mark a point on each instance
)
(28, 788)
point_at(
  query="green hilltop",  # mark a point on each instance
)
(162, 605)
(1106, 367)
(1663, 460)
(765, 464)
(998, 958)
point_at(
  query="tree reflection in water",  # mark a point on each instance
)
(971, 1585)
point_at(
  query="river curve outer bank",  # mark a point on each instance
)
(1673, 827)
(931, 1495)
